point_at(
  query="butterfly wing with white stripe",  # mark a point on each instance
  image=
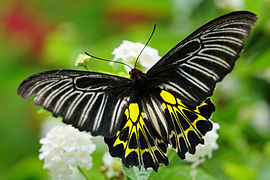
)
(137, 142)
(151, 123)
(90, 101)
(195, 65)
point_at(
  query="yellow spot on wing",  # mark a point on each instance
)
(134, 111)
(118, 141)
(163, 106)
(127, 113)
(168, 97)
(133, 115)
(128, 151)
(180, 102)
(143, 115)
(135, 124)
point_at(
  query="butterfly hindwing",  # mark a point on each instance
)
(90, 101)
(152, 123)
(187, 124)
(137, 142)
(196, 64)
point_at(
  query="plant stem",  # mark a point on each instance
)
(83, 173)
(85, 66)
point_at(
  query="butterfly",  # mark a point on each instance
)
(169, 104)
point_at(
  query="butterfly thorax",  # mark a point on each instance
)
(136, 74)
(140, 82)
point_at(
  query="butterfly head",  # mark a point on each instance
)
(135, 73)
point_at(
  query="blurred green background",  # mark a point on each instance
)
(37, 35)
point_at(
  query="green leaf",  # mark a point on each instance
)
(239, 171)
(181, 172)
(135, 173)
(26, 169)
(266, 149)
(264, 172)
(97, 163)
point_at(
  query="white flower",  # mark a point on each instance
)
(107, 159)
(261, 117)
(64, 148)
(82, 60)
(128, 51)
(112, 167)
(230, 87)
(49, 123)
(258, 114)
(265, 75)
(203, 150)
(184, 6)
(193, 174)
(229, 4)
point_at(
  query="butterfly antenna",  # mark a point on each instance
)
(146, 44)
(107, 60)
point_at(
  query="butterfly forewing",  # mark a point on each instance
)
(195, 65)
(90, 101)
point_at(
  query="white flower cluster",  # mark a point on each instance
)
(49, 123)
(261, 116)
(112, 167)
(265, 74)
(128, 51)
(64, 148)
(203, 150)
(107, 159)
(82, 60)
(230, 4)
(258, 114)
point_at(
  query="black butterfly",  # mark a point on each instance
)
(169, 104)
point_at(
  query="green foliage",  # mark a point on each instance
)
(29, 168)
(137, 174)
(181, 172)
